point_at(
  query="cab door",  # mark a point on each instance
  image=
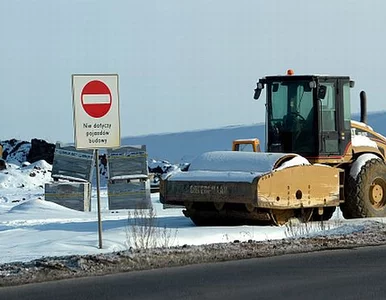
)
(344, 114)
(329, 132)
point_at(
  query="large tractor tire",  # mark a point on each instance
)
(366, 194)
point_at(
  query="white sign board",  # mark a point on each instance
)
(96, 111)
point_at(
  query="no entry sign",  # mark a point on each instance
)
(96, 111)
(96, 98)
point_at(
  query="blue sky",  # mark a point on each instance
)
(182, 65)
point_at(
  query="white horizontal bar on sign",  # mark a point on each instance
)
(96, 99)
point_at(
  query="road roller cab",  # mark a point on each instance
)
(307, 114)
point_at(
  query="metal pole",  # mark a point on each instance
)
(98, 197)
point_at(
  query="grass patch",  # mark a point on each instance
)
(144, 232)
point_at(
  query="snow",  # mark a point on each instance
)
(245, 140)
(66, 177)
(236, 161)
(226, 166)
(360, 162)
(36, 228)
(31, 227)
(124, 177)
(219, 176)
(29, 177)
(16, 156)
(296, 161)
(364, 141)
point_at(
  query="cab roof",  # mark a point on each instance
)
(303, 77)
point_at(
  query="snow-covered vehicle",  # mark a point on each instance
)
(316, 159)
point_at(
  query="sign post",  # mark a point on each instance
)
(98, 198)
(96, 119)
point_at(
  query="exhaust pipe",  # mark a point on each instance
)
(363, 98)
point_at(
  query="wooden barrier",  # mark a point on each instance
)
(74, 195)
(72, 164)
(128, 185)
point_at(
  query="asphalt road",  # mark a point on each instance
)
(338, 274)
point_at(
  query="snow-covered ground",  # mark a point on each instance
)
(31, 227)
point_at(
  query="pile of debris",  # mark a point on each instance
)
(17, 152)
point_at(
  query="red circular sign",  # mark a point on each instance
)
(96, 99)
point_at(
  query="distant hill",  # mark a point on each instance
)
(377, 120)
(183, 146)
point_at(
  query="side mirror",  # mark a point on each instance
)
(352, 83)
(308, 87)
(322, 92)
(257, 94)
(258, 90)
